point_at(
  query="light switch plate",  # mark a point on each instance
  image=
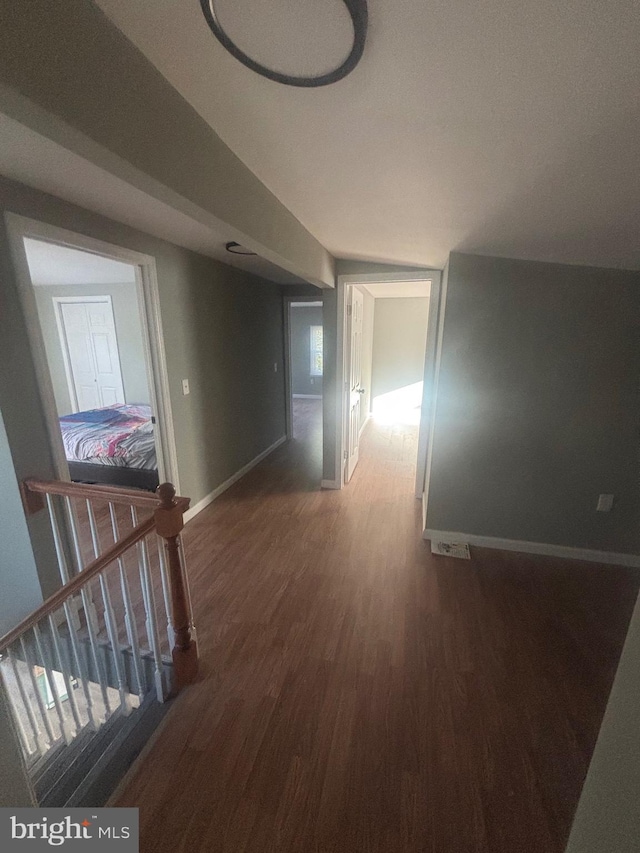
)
(185, 387)
(605, 503)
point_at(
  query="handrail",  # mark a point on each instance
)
(57, 599)
(166, 520)
(114, 494)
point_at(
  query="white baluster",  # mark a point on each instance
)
(109, 617)
(80, 667)
(65, 674)
(129, 613)
(150, 611)
(36, 692)
(185, 581)
(40, 743)
(90, 613)
(57, 540)
(48, 668)
(166, 594)
(25, 744)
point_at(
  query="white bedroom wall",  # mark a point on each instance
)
(399, 339)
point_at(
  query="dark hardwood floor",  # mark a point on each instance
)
(358, 694)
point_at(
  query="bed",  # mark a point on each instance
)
(114, 445)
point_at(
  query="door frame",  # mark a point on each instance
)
(342, 363)
(146, 285)
(287, 302)
(62, 335)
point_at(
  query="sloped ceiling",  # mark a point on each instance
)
(503, 127)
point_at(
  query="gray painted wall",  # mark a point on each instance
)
(19, 584)
(222, 331)
(126, 316)
(15, 790)
(399, 339)
(538, 407)
(145, 133)
(302, 318)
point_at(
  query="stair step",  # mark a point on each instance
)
(86, 771)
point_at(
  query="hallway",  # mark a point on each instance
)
(358, 694)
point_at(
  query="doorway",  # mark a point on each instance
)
(304, 331)
(386, 362)
(95, 335)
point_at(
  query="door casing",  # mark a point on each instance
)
(19, 227)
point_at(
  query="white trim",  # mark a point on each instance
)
(341, 296)
(562, 551)
(307, 396)
(330, 484)
(19, 227)
(343, 283)
(432, 359)
(207, 499)
(441, 309)
(390, 277)
(288, 408)
(308, 304)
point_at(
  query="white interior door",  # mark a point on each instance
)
(355, 307)
(88, 337)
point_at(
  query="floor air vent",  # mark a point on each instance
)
(451, 549)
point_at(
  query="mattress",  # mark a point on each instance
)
(120, 436)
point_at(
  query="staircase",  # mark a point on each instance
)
(89, 674)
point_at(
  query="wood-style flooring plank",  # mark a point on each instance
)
(359, 695)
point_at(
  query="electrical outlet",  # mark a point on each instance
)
(605, 503)
(185, 387)
(275, 366)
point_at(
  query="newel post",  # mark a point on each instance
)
(169, 523)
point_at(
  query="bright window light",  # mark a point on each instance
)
(401, 406)
(315, 348)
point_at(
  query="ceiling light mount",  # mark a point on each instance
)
(237, 249)
(359, 15)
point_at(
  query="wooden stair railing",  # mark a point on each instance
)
(167, 520)
(93, 649)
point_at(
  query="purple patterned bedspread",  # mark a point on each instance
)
(119, 435)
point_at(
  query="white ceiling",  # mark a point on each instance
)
(32, 159)
(398, 289)
(52, 264)
(505, 127)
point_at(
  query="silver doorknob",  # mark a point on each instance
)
(360, 390)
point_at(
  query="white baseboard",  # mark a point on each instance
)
(307, 396)
(329, 484)
(562, 551)
(207, 499)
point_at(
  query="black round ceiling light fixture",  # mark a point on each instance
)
(358, 13)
